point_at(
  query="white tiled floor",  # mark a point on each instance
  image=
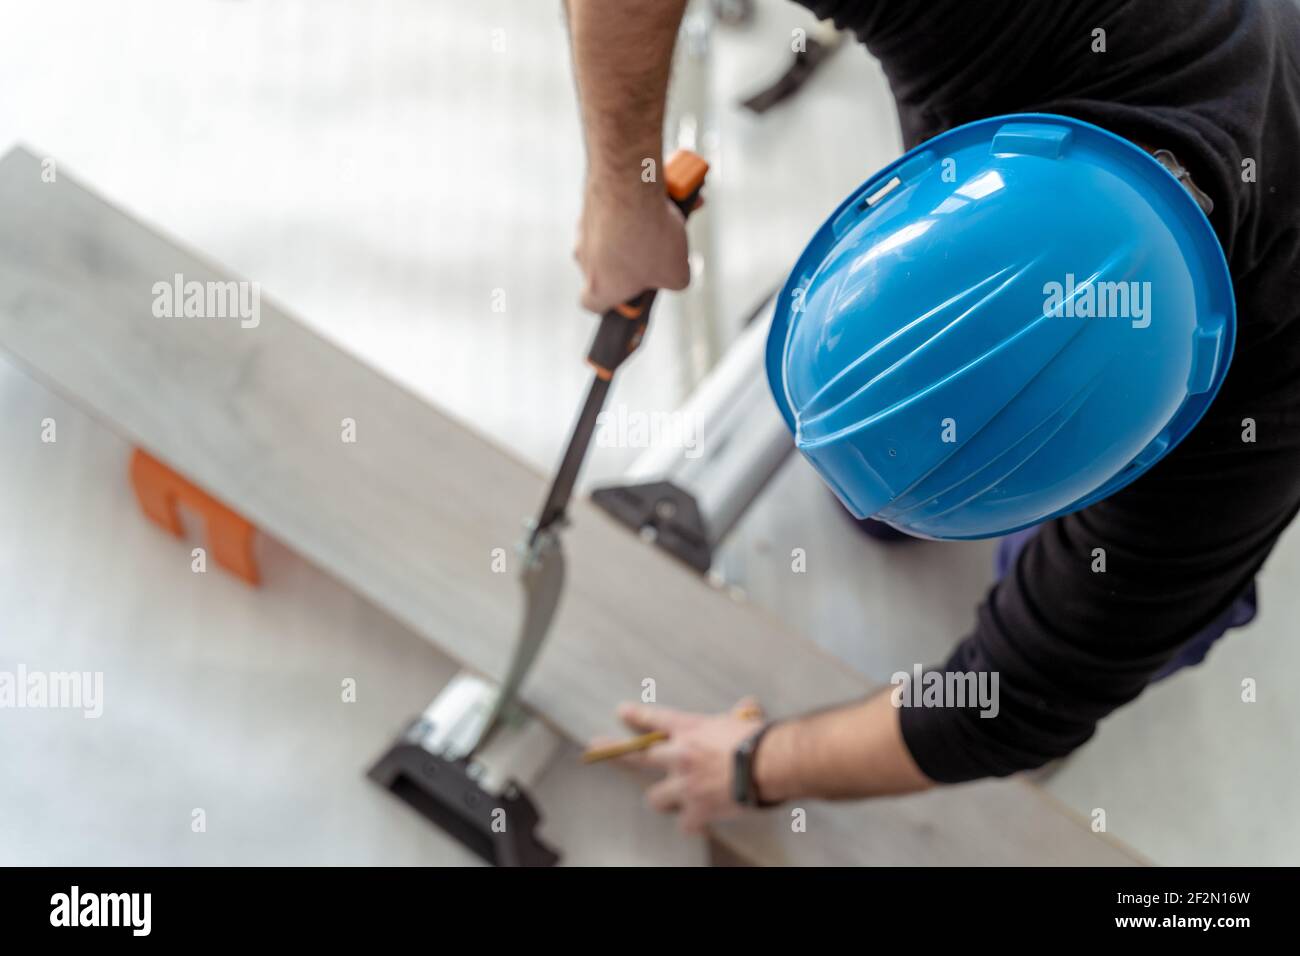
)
(383, 167)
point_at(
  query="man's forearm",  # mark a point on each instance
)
(622, 55)
(847, 753)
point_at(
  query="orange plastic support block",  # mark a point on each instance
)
(160, 490)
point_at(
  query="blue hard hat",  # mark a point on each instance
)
(1010, 322)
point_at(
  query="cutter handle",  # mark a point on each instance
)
(622, 327)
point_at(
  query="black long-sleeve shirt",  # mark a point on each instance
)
(1218, 83)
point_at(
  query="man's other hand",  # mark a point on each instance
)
(697, 760)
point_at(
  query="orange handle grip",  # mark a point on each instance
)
(684, 175)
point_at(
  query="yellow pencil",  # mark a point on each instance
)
(624, 747)
(645, 741)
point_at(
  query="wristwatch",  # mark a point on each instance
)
(744, 789)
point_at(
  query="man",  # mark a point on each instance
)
(1214, 83)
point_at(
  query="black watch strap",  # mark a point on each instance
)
(744, 789)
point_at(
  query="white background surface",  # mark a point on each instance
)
(380, 169)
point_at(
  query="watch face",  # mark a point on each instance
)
(740, 775)
(743, 788)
